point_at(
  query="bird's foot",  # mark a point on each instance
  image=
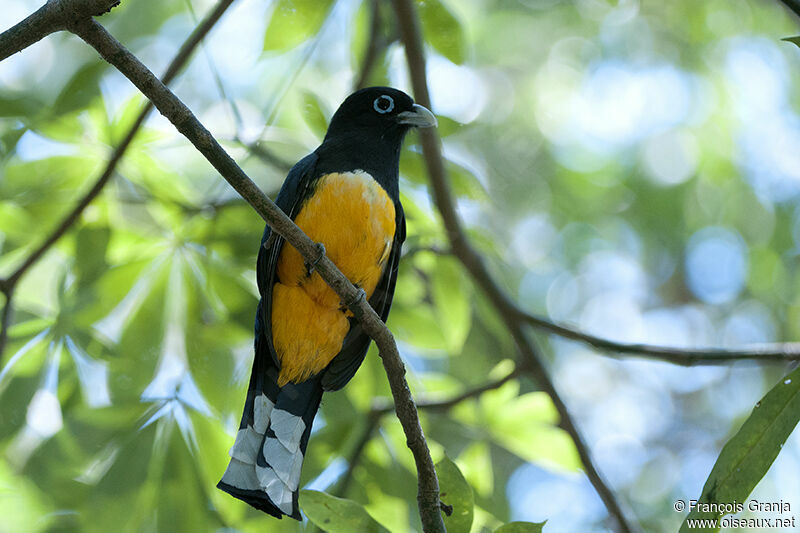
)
(360, 295)
(311, 267)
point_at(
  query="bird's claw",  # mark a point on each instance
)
(311, 267)
(360, 295)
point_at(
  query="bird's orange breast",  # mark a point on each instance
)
(353, 216)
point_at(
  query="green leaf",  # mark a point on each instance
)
(450, 293)
(795, 40)
(442, 30)
(748, 455)
(81, 88)
(91, 244)
(314, 115)
(335, 515)
(462, 180)
(18, 105)
(521, 527)
(294, 21)
(66, 128)
(418, 327)
(9, 140)
(538, 440)
(476, 461)
(23, 506)
(455, 491)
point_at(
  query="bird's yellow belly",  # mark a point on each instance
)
(354, 218)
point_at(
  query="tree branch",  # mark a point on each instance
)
(448, 403)
(788, 351)
(49, 18)
(183, 119)
(530, 360)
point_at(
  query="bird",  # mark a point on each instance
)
(345, 196)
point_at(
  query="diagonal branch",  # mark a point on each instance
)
(49, 18)
(472, 261)
(185, 121)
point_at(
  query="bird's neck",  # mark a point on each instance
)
(378, 156)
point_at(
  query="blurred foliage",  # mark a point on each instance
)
(627, 167)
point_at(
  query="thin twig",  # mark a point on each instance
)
(531, 361)
(787, 351)
(448, 403)
(185, 121)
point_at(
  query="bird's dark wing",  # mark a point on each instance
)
(290, 199)
(356, 342)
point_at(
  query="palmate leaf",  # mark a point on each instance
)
(748, 455)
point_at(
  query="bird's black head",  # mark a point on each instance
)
(366, 133)
(380, 113)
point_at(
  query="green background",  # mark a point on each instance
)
(629, 168)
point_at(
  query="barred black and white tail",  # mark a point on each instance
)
(267, 456)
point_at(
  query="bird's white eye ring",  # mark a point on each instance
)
(383, 104)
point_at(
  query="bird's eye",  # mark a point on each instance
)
(383, 104)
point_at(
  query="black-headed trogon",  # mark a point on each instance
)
(344, 195)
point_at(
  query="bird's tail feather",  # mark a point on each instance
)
(267, 456)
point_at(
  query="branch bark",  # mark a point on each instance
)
(474, 392)
(472, 261)
(183, 119)
(49, 18)
(787, 351)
